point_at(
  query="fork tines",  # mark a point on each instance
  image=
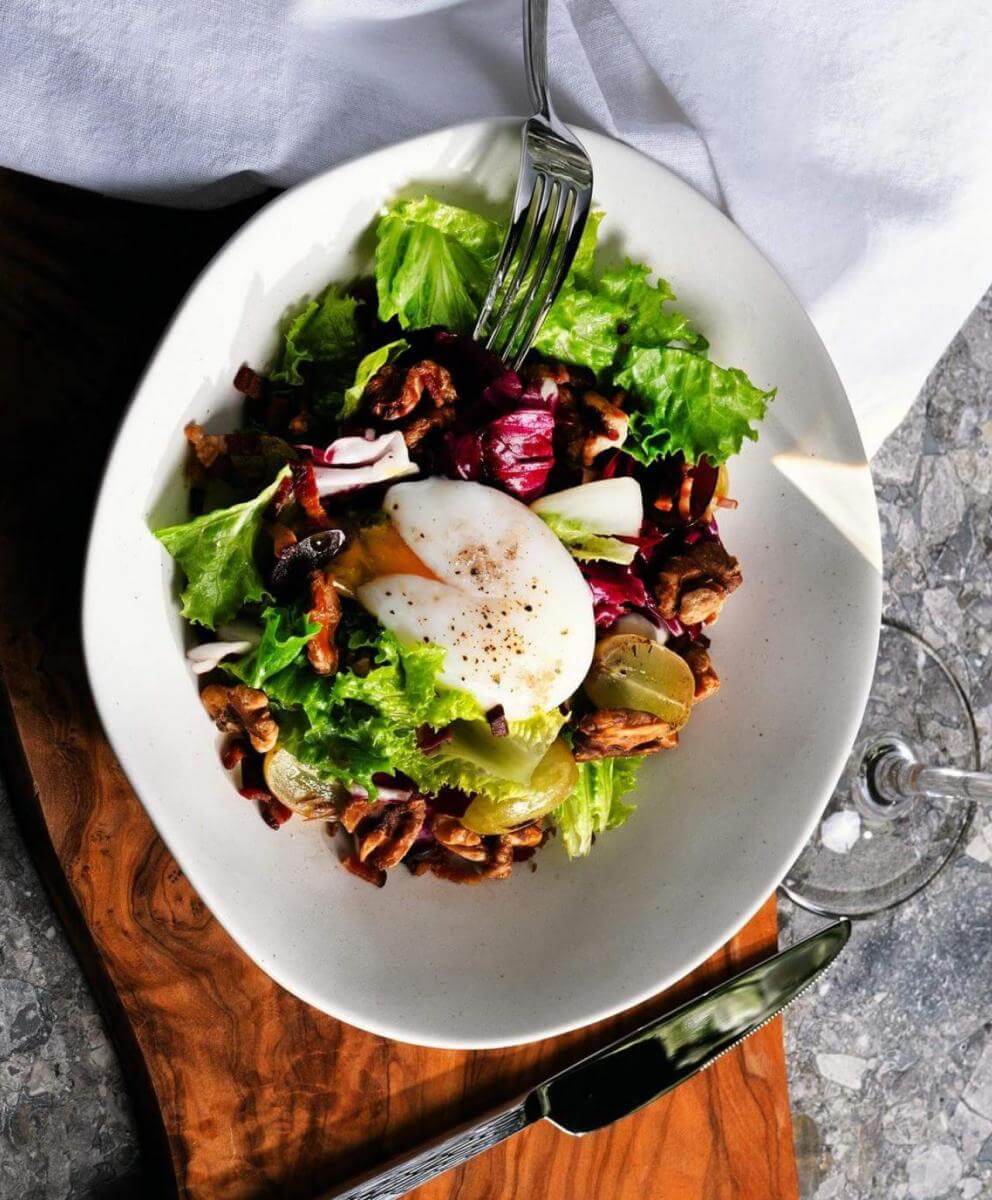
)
(554, 191)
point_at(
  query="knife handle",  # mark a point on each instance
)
(450, 1150)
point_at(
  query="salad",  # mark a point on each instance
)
(447, 608)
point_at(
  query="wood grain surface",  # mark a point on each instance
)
(243, 1091)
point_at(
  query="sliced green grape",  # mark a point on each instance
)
(630, 671)
(298, 787)
(553, 780)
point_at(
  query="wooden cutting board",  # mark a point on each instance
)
(241, 1090)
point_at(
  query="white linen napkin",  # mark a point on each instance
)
(850, 140)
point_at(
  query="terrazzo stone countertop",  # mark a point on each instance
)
(890, 1059)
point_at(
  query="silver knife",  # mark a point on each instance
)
(624, 1076)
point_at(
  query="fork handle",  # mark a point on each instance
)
(536, 54)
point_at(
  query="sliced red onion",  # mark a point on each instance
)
(359, 463)
(208, 656)
(352, 451)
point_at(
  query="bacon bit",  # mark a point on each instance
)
(307, 496)
(273, 812)
(249, 383)
(664, 504)
(259, 794)
(497, 722)
(430, 741)
(284, 493)
(282, 536)
(685, 496)
(208, 448)
(233, 753)
(364, 870)
(326, 612)
(726, 502)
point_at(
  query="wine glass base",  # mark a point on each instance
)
(860, 862)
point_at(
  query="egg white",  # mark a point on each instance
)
(509, 606)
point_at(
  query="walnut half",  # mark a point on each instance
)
(384, 830)
(393, 393)
(707, 680)
(693, 585)
(242, 709)
(616, 732)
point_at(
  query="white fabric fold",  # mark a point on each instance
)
(849, 140)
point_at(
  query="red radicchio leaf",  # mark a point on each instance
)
(517, 451)
(514, 451)
(616, 590)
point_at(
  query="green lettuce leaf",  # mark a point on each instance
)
(583, 265)
(688, 404)
(366, 369)
(323, 331)
(512, 759)
(284, 638)
(596, 805)
(352, 726)
(216, 553)
(433, 262)
(588, 324)
(583, 544)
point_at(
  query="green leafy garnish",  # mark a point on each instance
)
(323, 331)
(216, 553)
(596, 805)
(284, 638)
(366, 369)
(689, 405)
(433, 262)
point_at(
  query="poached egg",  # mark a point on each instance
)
(508, 604)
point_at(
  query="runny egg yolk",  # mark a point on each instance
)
(374, 550)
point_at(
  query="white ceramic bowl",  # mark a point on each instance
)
(718, 822)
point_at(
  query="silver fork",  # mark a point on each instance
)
(550, 207)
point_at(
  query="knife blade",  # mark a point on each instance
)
(631, 1072)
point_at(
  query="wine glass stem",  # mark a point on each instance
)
(895, 777)
(942, 783)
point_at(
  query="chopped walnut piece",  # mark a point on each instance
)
(456, 868)
(208, 448)
(707, 680)
(364, 870)
(242, 709)
(694, 584)
(613, 732)
(453, 835)
(394, 392)
(526, 835)
(606, 425)
(420, 427)
(462, 856)
(384, 830)
(325, 611)
(563, 375)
